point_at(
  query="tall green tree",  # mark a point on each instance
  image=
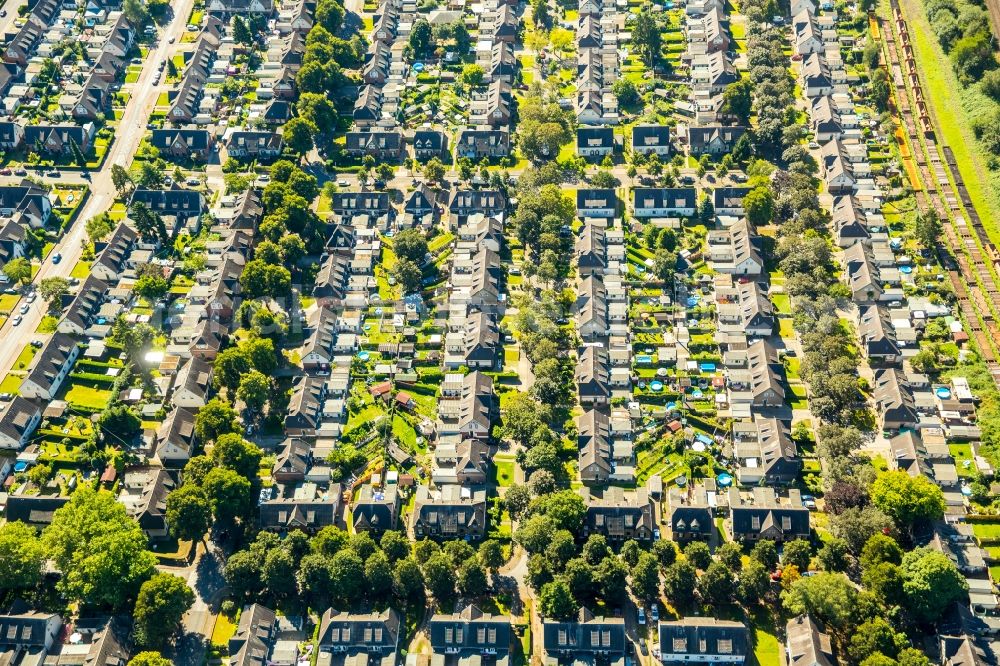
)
(99, 549)
(162, 602)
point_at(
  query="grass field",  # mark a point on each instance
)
(954, 120)
(88, 397)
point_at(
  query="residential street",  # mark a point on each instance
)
(128, 135)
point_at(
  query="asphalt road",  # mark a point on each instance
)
(128, 135)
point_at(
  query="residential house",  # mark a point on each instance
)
(764, 516)
(690, 514)
(58, 139)
(468, 407)
(376, 509)
(477, 143)
(807, 644)
(594, 446)
(110, 262)
(593, 377)
(651, 140)
(50, 367)
(183, 143)
(713, 139)
(893, 399)
(585, 637)
(192, 384)
(449, 512)
(175, 438)
(729, 200)
(619, 514)
(382, 145)
(595, 141)
(177, 202)
(765, 452)
(346, 639)
(264, 637)
(428, 143)
(309, 510)
(470, 633)
(18, 420)
(878, 335)
(592, 202)
(253, 144)
(463, 463)
(305, 409)
(704, 640)
(664, 202)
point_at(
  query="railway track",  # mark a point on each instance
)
(970, 271)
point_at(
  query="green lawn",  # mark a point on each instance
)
(785, 328)
(782, 304)
(87, 397)
(11, 383)
(766, 646)
(404, 433)
(8, 302)
(24, 358)
(81, 270)
(504, 470)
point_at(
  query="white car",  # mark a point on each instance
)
(16, 320)
(31, 297)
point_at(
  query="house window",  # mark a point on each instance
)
(448, 635)
(607, 638)
(562, 637)
(680, 644)
(702, 646)
(725, 646)
(755, 522)
(481, 635)
(335, 635)
(368, 634)
(595, 637)
(458, 635)
(492, 635)
(786, 523)
(378, 634)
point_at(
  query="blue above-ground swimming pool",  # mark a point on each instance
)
(696, 393)
(671, 406)
(906, 270)
(418, 66)
(704, 439)
(656, 385)
(724, 480)
(942, 392)
(692, 301)
(20, 466)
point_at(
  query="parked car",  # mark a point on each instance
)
(54, 173)
(24, 308)
(6, 397)
(56, 258)
(16, 321)
(654, 613)
(642, 616)
(20, 171)
(193, 181)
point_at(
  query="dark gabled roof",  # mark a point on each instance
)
(15, 417)
(591, 198)
(308, 514)
(729, 197)
(196, 139)
(704, 637)
(175, 200)
(664, 197)
(374, 139)
(34, 510)
(50, 359)
(478, 201)
(585, 634)
(648, 136)
(595, 137)
(429, 140)
(470, 629)
(378, 632)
